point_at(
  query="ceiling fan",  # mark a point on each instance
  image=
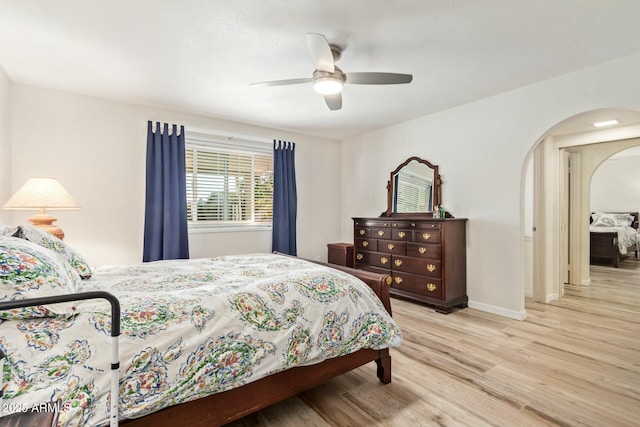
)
(328, 80)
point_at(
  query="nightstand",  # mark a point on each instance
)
(341, 254)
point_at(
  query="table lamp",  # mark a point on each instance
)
(41, 194)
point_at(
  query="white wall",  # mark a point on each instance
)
(615, 185)
(5, 143)
(481, 149)
(96, 148)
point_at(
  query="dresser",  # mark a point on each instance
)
(426, 257)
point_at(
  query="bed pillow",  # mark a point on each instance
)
(612, 220)
(49, 241)
(7, 230)
(28, 270)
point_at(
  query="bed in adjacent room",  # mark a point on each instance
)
(203, 341)
(613, 237)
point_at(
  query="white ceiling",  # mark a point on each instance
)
(199, 56)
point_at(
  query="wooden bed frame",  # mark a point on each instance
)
(604, 245)
(222, 408)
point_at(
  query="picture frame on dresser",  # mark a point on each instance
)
(425, 256)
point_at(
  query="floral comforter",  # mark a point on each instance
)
(190, 328)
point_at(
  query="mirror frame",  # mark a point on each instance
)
(436, 188)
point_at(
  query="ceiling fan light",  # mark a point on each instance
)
(327, 85)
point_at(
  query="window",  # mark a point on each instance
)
(229, 185)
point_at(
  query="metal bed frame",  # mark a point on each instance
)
(115, 333)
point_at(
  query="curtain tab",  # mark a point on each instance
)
(283, 145)
(163, 128)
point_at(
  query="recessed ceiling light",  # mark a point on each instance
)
(606, 123)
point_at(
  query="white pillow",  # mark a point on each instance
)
(7, 230)
(613, 219)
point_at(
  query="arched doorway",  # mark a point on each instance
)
(555, 238)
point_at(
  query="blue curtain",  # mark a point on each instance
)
(165, 220)
(284, 198)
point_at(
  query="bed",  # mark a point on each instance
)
(203, 341)
(613, 237)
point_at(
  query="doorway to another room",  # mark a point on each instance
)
(557, 202)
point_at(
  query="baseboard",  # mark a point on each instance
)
(517, 315)
(551, 297)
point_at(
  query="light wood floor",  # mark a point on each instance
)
(575, 362)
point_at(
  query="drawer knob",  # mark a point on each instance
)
(365, 243)
(413, 224)
(390, 246)
(402, 234)
(362, 232)
(398, 262)
(398, 279)
(422, 250)
(380, 233)
(431, 268)
(426, 236)
(359, 256)
(388, 280)
(384, 260)
(431, 287)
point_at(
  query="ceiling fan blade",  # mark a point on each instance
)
(320, 52)
(378, 78)
(283, 82)
(334, 102)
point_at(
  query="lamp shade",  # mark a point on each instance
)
(42, 193)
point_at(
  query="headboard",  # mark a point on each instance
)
(634, 224)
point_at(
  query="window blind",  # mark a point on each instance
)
(228, 186)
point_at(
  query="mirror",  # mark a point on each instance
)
(414, 187)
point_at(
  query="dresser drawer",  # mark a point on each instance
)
(392, 247)
(422, 285)
(424, 250)
(426, 236)
(402, 235)
(365, 222)
(433, 225)
(367, 244)
(373, 232)
(427, 266)
(415, 225)
(362, 232)
(375, 259)
(381, 232)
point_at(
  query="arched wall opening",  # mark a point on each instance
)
(554, 208)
